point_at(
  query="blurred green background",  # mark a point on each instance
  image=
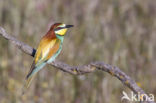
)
(118, 32)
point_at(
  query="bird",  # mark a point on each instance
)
(48, 49)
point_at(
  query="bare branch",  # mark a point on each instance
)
(79, 70)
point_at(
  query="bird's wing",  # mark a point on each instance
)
(44, 53)
(43, 50)
(41, 56)
(47, 52)
(54, 49)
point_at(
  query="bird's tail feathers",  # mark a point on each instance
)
(27, 83)
(30, 77)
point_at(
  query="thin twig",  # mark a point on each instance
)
(79, 70)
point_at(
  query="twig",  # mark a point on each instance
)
(79, 70)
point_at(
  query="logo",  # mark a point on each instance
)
(137, 97)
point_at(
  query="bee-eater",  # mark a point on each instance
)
(48, 49)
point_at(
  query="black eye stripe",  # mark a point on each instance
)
(59, 35)
(59, 28)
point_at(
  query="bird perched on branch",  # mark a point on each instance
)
(48, 49)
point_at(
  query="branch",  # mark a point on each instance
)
(79, 70)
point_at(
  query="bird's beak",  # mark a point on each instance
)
(69, 26)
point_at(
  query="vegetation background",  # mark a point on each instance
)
(118, 32)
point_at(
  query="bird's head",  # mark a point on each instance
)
(60, 28)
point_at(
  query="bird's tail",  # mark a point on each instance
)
(30, 77)
(27, 83)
